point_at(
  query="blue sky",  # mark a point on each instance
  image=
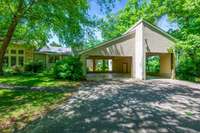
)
(95, 10)
(163, 23)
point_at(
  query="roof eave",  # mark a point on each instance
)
(104, 43)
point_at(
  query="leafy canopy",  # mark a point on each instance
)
(115, 24)
(68, 19)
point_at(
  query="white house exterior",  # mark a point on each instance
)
(129, 51)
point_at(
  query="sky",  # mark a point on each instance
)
(95, 8)
(163, 23)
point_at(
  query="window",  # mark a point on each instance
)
(13, 51)
(15, 57)
(13, 60)
(21, 52)
(6, 60)
(51, 59)
(21, 60)
(57, 58)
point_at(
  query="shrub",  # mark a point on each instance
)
(13, 70)
(17, 69)
(69, 68)
(34, 67)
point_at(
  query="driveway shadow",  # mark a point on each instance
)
(119, 107)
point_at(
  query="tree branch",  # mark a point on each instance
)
(10, 9)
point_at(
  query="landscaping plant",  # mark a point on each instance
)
(34, 67)
(69, 68)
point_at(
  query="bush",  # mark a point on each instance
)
(69, 68)
(188, 58)
(34, 67)
(17, 69)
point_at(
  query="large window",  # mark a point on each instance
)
(53, 59)
(21, 60)
(13, 60)
(14, 57)
(21, 52)
(6, 61)
(13, 51)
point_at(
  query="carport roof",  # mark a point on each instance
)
(130, 31)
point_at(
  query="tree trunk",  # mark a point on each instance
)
(10, 33)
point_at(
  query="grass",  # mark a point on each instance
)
(19, 107)
(38, 80)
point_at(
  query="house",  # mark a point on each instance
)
(127, 54)
(20, 54)
(50, 54)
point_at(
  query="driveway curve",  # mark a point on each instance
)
(152, 106)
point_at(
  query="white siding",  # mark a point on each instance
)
(156, 42)
(122, 47)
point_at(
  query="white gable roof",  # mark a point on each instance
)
(131, 31)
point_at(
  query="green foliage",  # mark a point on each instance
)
(36, 80)
(188, 58)
(23, 106)
(67, 19)
(34, 67)
(102, 65)
(17, 69)
(153, 64)
(69, 68)
(116, 24)
(14, 70)
(187, 14)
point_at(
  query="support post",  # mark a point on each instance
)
(173, 58)
(94, 65)
(140, 56)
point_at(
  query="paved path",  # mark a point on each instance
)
(152, 106)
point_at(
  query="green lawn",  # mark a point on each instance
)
(39, 80)
(19, 107)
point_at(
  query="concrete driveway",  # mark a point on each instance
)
(153, 106)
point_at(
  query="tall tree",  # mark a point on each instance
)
(186, 13)
(33, 20)
(115, 24)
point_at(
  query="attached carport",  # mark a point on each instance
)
(127, 53)
(118, 53)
